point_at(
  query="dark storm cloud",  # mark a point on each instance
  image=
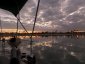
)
(77, 19)
(51, 12)
(54, 15)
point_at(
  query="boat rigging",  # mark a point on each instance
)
(15, 6)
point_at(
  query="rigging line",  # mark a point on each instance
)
(0, 25)
(18, 20)
(3, 43)
(36, 14)
(17, 26)
(21, 23)
(17, 16)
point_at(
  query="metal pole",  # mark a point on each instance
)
(2, 40)
(34, 25)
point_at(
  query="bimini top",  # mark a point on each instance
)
(13, 6)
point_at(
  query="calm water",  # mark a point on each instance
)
(55, 50)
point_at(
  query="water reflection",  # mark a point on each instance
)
(55, 50)
(62, 50)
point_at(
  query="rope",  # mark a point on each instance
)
(34, 25)
(18, 20)
(17, 26)
(0, 25)
(2, 40)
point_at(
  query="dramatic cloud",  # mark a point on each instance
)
(62, 15)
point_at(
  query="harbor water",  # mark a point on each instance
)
(52, 49)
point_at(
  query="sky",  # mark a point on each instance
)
(53, 15)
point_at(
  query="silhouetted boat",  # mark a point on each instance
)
(14, 6)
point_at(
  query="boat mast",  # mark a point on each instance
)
(36, 14)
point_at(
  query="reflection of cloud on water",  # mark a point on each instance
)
(55, 50)
(55, 55)
(48, 44)
(73, 54)
(48, 52)
(47, 56)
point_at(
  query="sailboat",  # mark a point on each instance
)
(14, 6)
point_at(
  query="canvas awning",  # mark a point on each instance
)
(13, 6)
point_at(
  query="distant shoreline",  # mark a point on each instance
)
(43, 34)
